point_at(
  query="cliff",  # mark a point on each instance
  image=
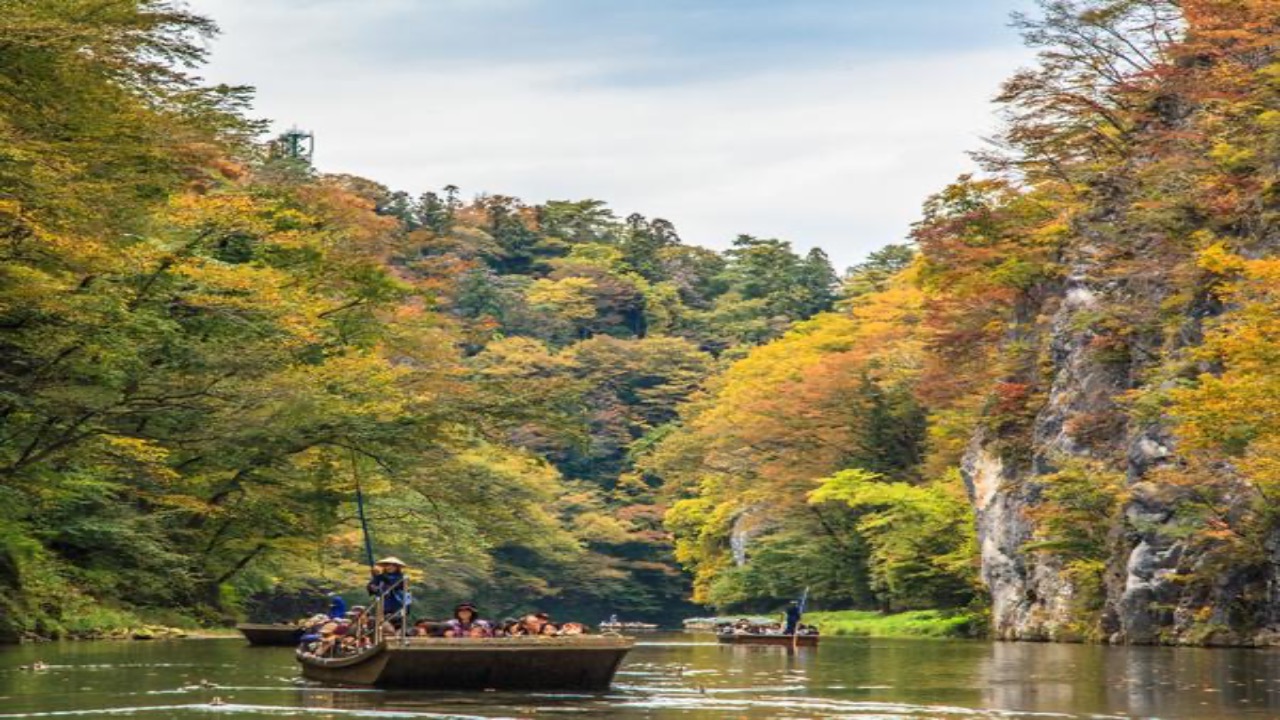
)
(1135, 505)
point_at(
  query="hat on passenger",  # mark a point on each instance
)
(391, 560)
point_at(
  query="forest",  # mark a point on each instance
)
(1055, 405)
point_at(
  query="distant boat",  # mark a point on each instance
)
(627, 626)
(270, 634)
(768, 639)
(580, 662)
(709, 624)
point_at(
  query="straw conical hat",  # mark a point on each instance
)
(393, 560)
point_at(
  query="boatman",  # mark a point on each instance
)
(389, 583)
(793, 618)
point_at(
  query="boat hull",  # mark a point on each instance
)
(580, 663)
(264, 634)
(779, 640)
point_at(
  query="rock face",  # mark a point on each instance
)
(1142, 595)
(1029, 598)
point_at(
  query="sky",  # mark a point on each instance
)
(823, 122)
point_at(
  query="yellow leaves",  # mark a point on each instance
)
(572, 297)
(849, 486)
(598, 527)
(142, 457)
(220, 213)
(1235, 415)
(137, 449)
(1217, 259)
(1232, 158)
(521, 358)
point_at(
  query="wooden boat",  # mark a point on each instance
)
(768, 639)
(712, 624)
(628, 627)
(581, 662)
(270, 634)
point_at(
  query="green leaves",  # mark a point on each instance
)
(920, 537)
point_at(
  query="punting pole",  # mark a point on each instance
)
(364, 522)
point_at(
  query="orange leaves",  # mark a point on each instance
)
(834, 391)
(1011, 397)
(1234, 31)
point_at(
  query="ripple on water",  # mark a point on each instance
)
(807, 706)
(240, 709)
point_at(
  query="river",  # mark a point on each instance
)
(671, 675)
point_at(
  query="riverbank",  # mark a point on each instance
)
(98, 622)
(916, 623)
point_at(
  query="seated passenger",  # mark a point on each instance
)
(337, 606)
(314, 623)
(573, 628)
(532, 624)
(465, 619)
(328, 640)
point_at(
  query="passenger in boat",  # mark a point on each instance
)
(337, 606)
(548, 627)
(573, 628)
(508, 628)
(532, 624)
(465, 622)
(356, 615)
(314, 622)
(389, 583)
(329, 639)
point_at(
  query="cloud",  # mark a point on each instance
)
(835, 146)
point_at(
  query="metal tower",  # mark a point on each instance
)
(295, 144)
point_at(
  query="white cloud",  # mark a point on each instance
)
(839, 155)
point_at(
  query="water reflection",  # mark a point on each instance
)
(677, 675)
(1136, 681)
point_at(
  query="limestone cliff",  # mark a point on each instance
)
(1157, 583)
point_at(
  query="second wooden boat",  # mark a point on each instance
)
(581, 662)
(628, 627)
(768, 639)
(270, 634)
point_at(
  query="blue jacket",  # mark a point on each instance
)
(337, 608)
(793, 618)
(396, 599)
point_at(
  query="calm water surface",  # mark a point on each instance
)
(671, 675)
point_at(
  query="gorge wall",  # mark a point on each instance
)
(1180, 558)
(1131, 502)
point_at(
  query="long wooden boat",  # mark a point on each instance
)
(768, 639)
(581, 662)
(270, 634)
(628, 627)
